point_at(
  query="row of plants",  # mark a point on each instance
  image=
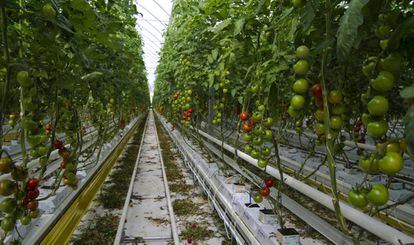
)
(66, 66)
(340, 69)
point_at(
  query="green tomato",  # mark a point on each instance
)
(25, 220)
(268, 134)
(8, 223)
(8, 205)
(298, 3)
(301, 86)
(257, 141)
(297, 102)
(302, 52)
(378, 128)
(336, 122)
(247, 137)
(368, 69)
(301, 67)
(319, 129)
(248, 149)
(366, 118)
(255, 154)
(391, 163)
(338, 109)
(357, 199)
(378, 106)
(34, 214)
(368, 165)
(262, 163)
(258, 131)
(293, 112)
(268, 123)
(261, 108)
(257, 198)
(266, 151)
(383, 82)
(378, 195)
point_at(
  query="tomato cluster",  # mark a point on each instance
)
(182, 105)
(257, 134)
(68, 165)
(264, 191)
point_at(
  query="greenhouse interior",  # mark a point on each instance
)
(207, 122)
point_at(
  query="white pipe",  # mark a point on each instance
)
(367, 222)
(167, 189)
(129, 194)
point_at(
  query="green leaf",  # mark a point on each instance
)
(403, 29)
(348, 28)
(238, 26)
(214, 54)
(222, 25)
(407, 93)
(92, 75)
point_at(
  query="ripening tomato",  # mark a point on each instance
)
(302, 52)
(265, 191)
(301, 67)
(244, 116)
(7, 187)
(378, 195)
(357, 198)
(247, 127)
(317, 91)
(269, 182)
(5, 165)
(257, 198)
(320, 115)
(335, 97)
(33, 205)
(378, 106)
(391, 163)
(297, 102)
(301, 86)
(393, 147)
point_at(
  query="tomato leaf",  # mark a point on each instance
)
(408, 92)
(403, 29)
(222, 25)
(238, 26)
(348, 28)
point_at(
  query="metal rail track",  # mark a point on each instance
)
(148, 197)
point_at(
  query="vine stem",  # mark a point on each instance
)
(7, 80)
(329, 139)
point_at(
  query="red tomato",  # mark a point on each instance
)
(33, 194)
(58, 144)
(32, 184)
(244, 116)
(317, 91)
(265, 191)
(269, 182)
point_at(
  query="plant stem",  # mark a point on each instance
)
(329, 138)
(7, 77)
